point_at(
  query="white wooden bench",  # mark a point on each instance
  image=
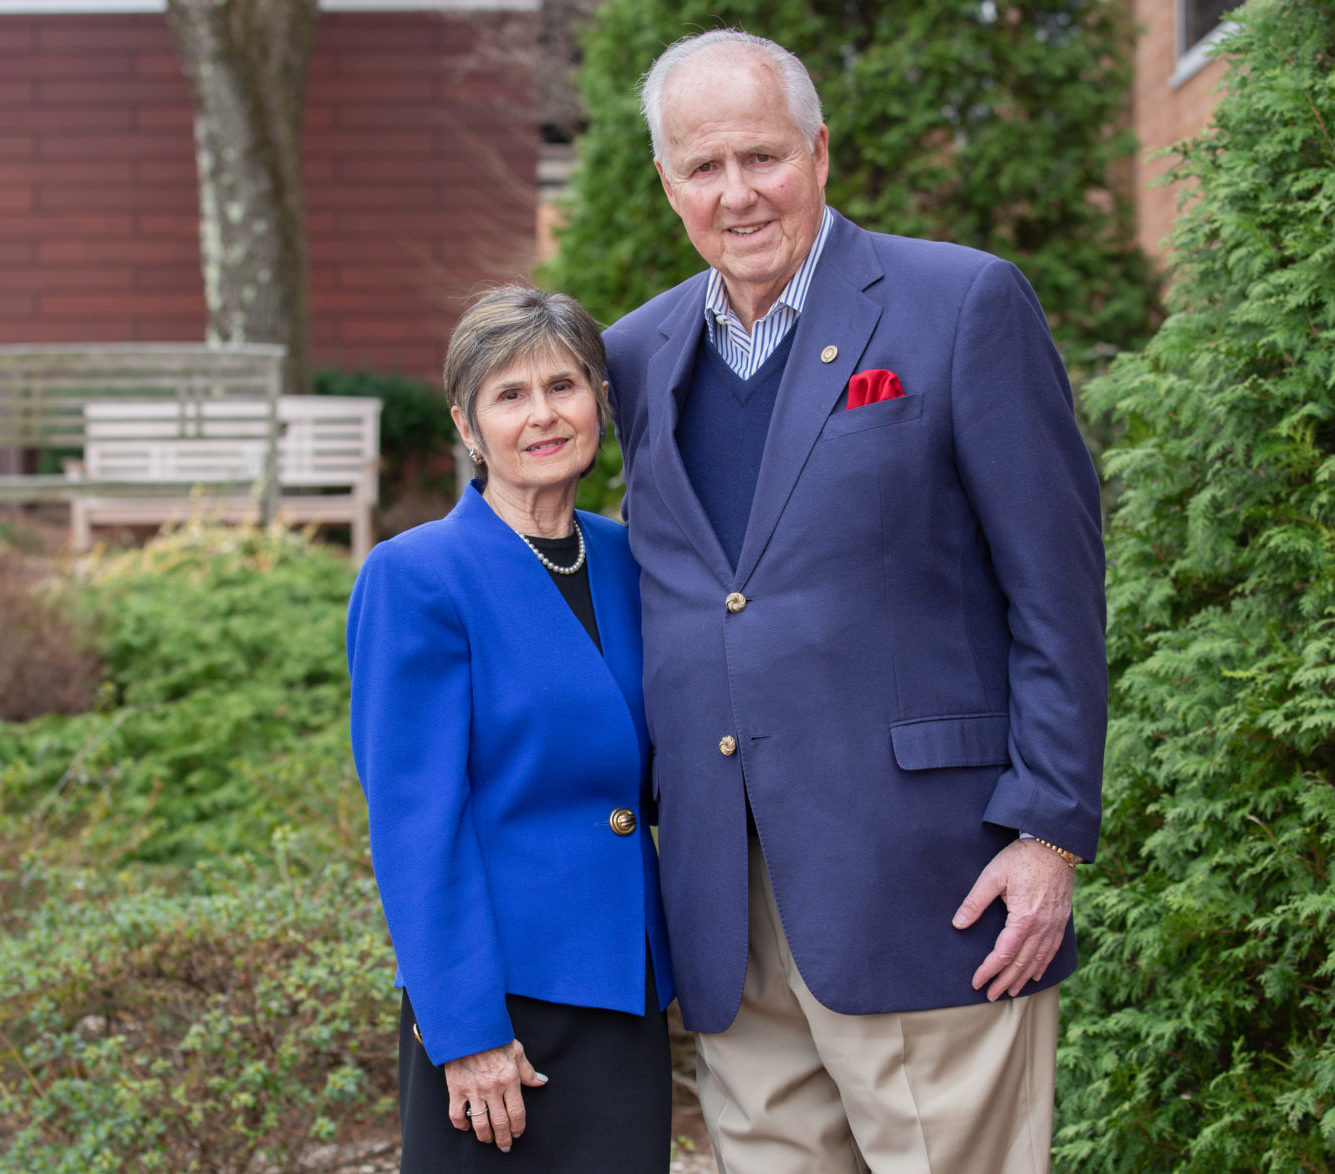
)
(44, 390)
(328, 453)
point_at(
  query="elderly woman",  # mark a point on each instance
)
(498, 731)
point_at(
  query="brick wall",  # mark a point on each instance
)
(420, 160)
(1163, 114)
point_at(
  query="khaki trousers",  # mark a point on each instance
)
(794, 1088)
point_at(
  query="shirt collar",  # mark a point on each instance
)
(793, 295)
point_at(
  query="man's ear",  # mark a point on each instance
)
(667, 187)
(820, 153)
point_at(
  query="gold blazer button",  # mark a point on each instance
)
(622, 821)
(735, 602)
(727, 745)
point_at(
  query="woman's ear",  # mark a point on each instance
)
(461, 426)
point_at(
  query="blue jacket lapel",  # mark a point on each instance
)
(837, 314)
(683, 330)
(614, 584)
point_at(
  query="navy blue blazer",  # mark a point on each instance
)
(918, 670)
(493, 743)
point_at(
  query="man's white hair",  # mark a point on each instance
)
(798, 89)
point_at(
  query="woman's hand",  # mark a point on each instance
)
(486, 1095)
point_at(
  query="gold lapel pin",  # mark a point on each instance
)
(829, 354)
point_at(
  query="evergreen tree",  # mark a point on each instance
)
(994, 123)
(1198, 1032)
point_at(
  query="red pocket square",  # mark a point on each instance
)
(870, 387)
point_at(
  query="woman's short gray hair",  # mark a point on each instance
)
(513, 322)
(798, 88)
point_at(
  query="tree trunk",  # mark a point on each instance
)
(247, 64)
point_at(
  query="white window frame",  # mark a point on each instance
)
(1191, 59)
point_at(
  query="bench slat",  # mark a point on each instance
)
(328, 453)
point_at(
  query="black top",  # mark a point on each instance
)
(575, 588)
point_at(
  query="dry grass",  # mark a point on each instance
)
(46, 665)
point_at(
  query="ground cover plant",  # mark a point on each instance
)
(151, 1030)
(193, 967)
(1199, 1029)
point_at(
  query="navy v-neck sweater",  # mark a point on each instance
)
(721, 435)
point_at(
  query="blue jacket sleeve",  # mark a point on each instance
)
(408, 653)
(1033, 487)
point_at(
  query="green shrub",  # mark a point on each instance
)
(220, 1033)
(994, 125)
(224, 659)
(999, 126)
(1199, 1029)
(417, 434)
(216, 995)
(602, 489)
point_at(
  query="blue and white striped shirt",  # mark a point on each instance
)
(746, 353)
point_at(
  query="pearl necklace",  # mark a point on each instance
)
(551, 566)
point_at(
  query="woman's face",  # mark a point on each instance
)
(537, 423)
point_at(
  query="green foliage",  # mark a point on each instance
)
(225, 1032)
(999, 133)
(193, 963)
(602, 488)
(1199, 1028)
(223, 650)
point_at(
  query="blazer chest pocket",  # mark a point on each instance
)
(879, 415)
(973, 739)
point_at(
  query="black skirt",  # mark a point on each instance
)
(607, 1104)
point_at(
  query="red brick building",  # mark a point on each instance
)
(419, 160)
(1174, 95)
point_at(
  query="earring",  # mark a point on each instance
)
(475, 456)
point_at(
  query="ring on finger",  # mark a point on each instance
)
(471, 1112)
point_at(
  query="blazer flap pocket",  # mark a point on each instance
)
(975, 739)
(845, 422)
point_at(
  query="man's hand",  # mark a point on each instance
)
(1035, 884)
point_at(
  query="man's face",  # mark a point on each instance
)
(739, 173)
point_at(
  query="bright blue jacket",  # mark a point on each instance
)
(493, 743)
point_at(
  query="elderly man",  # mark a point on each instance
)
(868, 530)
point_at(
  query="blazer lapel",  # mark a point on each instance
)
(837, 315)
(616, 605)
(683, 331)
(619, 668)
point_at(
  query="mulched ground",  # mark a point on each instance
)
(691, 1151)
